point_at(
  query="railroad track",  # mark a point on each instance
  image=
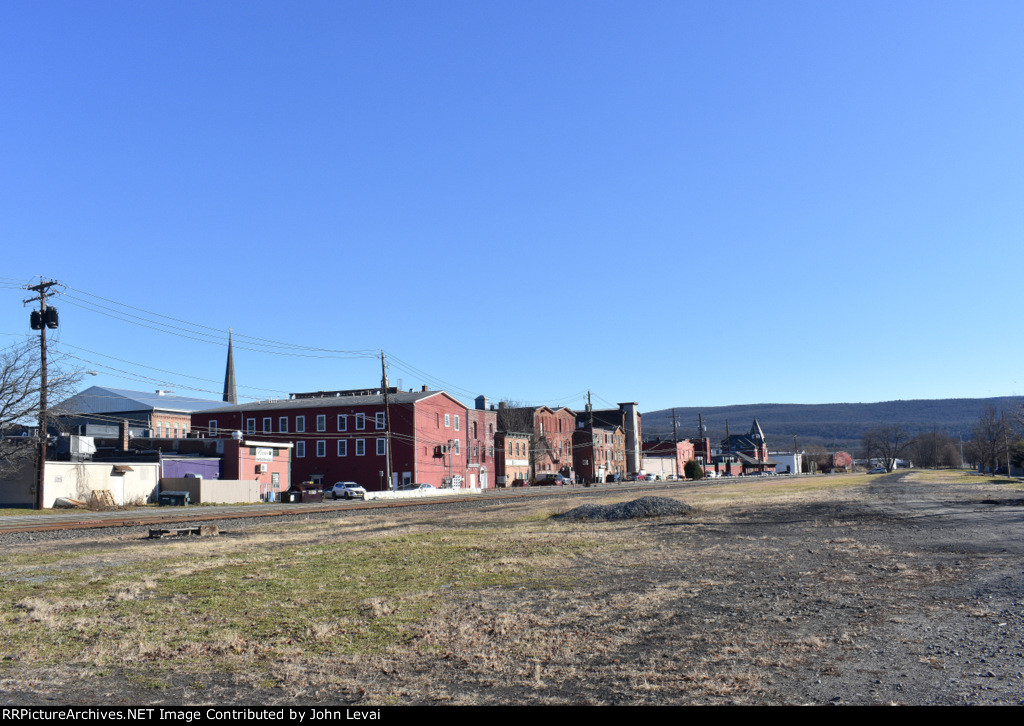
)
(77, 519)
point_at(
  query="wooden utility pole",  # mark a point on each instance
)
(43, 288)
(675, 430)
(387, 420)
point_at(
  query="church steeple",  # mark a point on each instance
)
(230, 396)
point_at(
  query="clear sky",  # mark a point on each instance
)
(676, 203)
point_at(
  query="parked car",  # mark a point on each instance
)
(347, 490)
(554, 480)
(306, 491)
(877, 470)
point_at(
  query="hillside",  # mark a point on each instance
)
(832, 425)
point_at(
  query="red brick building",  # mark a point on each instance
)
(679, 452)
(481, 426)
(512, 458)
(343, 435)
(599, 453)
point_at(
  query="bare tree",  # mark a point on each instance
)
(989, 439)
(885, 443)
(19, 399)
(933, 449)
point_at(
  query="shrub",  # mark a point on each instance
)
(693, 470)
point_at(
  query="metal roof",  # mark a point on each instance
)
(98, 399)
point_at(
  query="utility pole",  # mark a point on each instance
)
(1006, 445)
(387, 420)
(675, 430)
(47, 318)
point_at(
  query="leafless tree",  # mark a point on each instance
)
(933, 449)
(989, 439)
(19, 399)
(885, 443)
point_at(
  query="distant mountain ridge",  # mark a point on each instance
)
(832, 425)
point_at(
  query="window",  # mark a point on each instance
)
(300, 424)
(360, 447)
(321, 448)
(300, 449)
(282, 424)
(474, 430)
(342, 422)
(250, 426)
(437, 420)
(321, 422)
(213, 427)
(360, 421)
(342, 447)
(456, 449)
(447, 421)
(380, 421)
(456, 422)
(382, 448)
(268, 425)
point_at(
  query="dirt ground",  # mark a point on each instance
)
(904, 589)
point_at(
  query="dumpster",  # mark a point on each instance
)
(173, 499)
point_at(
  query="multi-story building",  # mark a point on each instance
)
(344, 435)
(599, 452)
(481, 424)
(99, 411)
(512, 458)
(550, 432)
(627, 415)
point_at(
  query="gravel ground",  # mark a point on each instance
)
(636, 509)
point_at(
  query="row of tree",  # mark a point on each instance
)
(995, 438)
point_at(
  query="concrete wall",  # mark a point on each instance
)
(79, 480)
(217, 491)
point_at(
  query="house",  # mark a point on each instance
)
(344, 435)
(747, 453)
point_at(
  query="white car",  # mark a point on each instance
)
(347, 490)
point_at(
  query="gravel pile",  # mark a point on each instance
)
(636, 509)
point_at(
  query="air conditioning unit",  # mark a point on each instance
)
(261, 468)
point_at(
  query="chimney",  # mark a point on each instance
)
(481, 403)
(501, 405)
(424, 389)
(124, 436)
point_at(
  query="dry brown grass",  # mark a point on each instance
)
(501, 605)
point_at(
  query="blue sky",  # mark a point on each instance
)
(677, 203)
